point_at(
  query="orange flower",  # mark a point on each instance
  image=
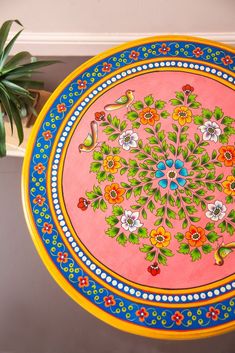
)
(227, 155)
(47, 228)
(113, 193)
(134, 55)
(109, 301)
(196, 236)
(182, 114)
(159, 237)
(61, 108)
(229, 185)
(142, 314)
(198, 52)
(177, 317)
(111, 164)
(148, 116)
(227, 60)
(213, 313)
(39, 168)
(106, 67)
(82, 84)
(39, 200)
(47, 135)
(83, 281)
(164, 49)
(62, 257)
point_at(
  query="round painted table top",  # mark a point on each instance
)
(129, 187)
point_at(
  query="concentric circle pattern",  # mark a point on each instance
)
(129, 187)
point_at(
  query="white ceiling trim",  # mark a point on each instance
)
(89, 44)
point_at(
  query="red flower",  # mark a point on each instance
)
(198, 52)
(47, 135)
(154, 269)
(142, 314)
(47, 228)
(109, 301)
(83, 281)
(99, 116)
(213, 313)
(62, 257)
(134, 55)
(164, 49)
(83, 204)
(61, 108)
(39, 168)
(227, 60)
(82, 84)
(39, 200)
(187, 89)
(106, 67)
(177, 317)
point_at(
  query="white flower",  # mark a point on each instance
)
(216, 211)
(210, 131)
(130, 221)
(128, 140)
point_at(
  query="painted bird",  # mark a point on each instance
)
(222, 252)
(124, 101)
(91, 140)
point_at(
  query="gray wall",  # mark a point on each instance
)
(36, 316)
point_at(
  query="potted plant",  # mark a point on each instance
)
(17, 98)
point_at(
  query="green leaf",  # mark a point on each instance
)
(162, 259)
(207, 248)
(122, 239)
(198, 120)
(222, 226)
(175, 102)
(95, 167)
(4, 31)
(195, 254)
(132, 115)
(206, 113)
(135, 125)
(101, 176)
(148, 100)
(195, 105)
(2, 136)
(144, 214)
(227, 120)
(164, 114)
(146, 248)
(112, 232)
(179, 237)
(118, 211)
(133, 238)
(230, 229)
(113, 137)
(210, 226)
(166, 252)
(123, 125)
(168, 223)
(97, 156)
(185, 223)
(172, 136)
(180, 96)
(142, 233)
(212, 237)
(218, 113)
(150, 255)
(191, 98)
(138, 105)
(16, 60)
(159, 104)
(7, 50)
(231, 214)
(112, 220)
(223, 138)
(103, 205)
(128, 193)
(171, 213)
(184, 248)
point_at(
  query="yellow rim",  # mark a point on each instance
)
(59, 278)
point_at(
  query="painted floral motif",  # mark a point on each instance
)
(62, 257)
(39, 200)
(83, 203)
(142, 314)
(82, 84)
(134, 55)
(61, 108)
(227, 60)
(83, 281)
(109, 301)
(164, 49)
(213, 313)
(168, 175)
(177, 317)
(47, 228)
(47, 135)
(198, 52)
(39, 168)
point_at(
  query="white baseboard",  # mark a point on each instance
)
(89, 44)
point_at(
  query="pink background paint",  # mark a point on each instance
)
(90, 226)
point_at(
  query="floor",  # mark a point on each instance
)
(36, 316)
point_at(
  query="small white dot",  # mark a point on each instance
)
(173, 63)
(65, 229)
(87, 100)
(170, 298)
(132, 291)
(70, 239)
(108, 279)
(120, 285)
(213, 71)
(208, 69)
(98, 271)
(223, 289)
(196, 296)
(83, 103)
(118, 76)
(233, 284)
(60, 217)
(210, 294)
(150, 66)
(139, 68)
(203, 295)
(230, 79)
(202, 68)
(80, 254)
(92, 267)
(109, 82)
(228, 286)
(103, 275)
(95, 92)
(151, 296)
(145, 67)
(91, 95)
(225, 76)
(138, 294)
(190, 297)
(183, 298)
(84, 258)
(176, 298)
(126, 289)
(179, 64)
(196, 67)
(164, 298)
(114, 282)
(145, 295)
(67, 234)
(88, 262)
(185, 65)
(73, 244)
(76, 249)
(62, 223)
(158, 298)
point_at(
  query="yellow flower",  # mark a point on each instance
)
(229, 185)
(159, 237)
(182, 114)
(111, 164)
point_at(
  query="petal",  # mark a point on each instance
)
(123, 219)
(128, 213)
(123, 135)
(121, 141)
(214, 138)
(215, 217)
(135, 215)
(214, 125)
(169, 162)
(183, 172)
(132, 143)
(161, 166)
(211, 207)
(221, 215)
(125, 226)
(163, 183)
(206, 136)
(159, 174)
(137, 223)
(202, 128)
(126, 146)
(173, 185)
(132, 228)
(178, 164)
(218, 204)
(134, 136)
(217, 132)
(209, 214)
(181, 181)
(208, 124)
